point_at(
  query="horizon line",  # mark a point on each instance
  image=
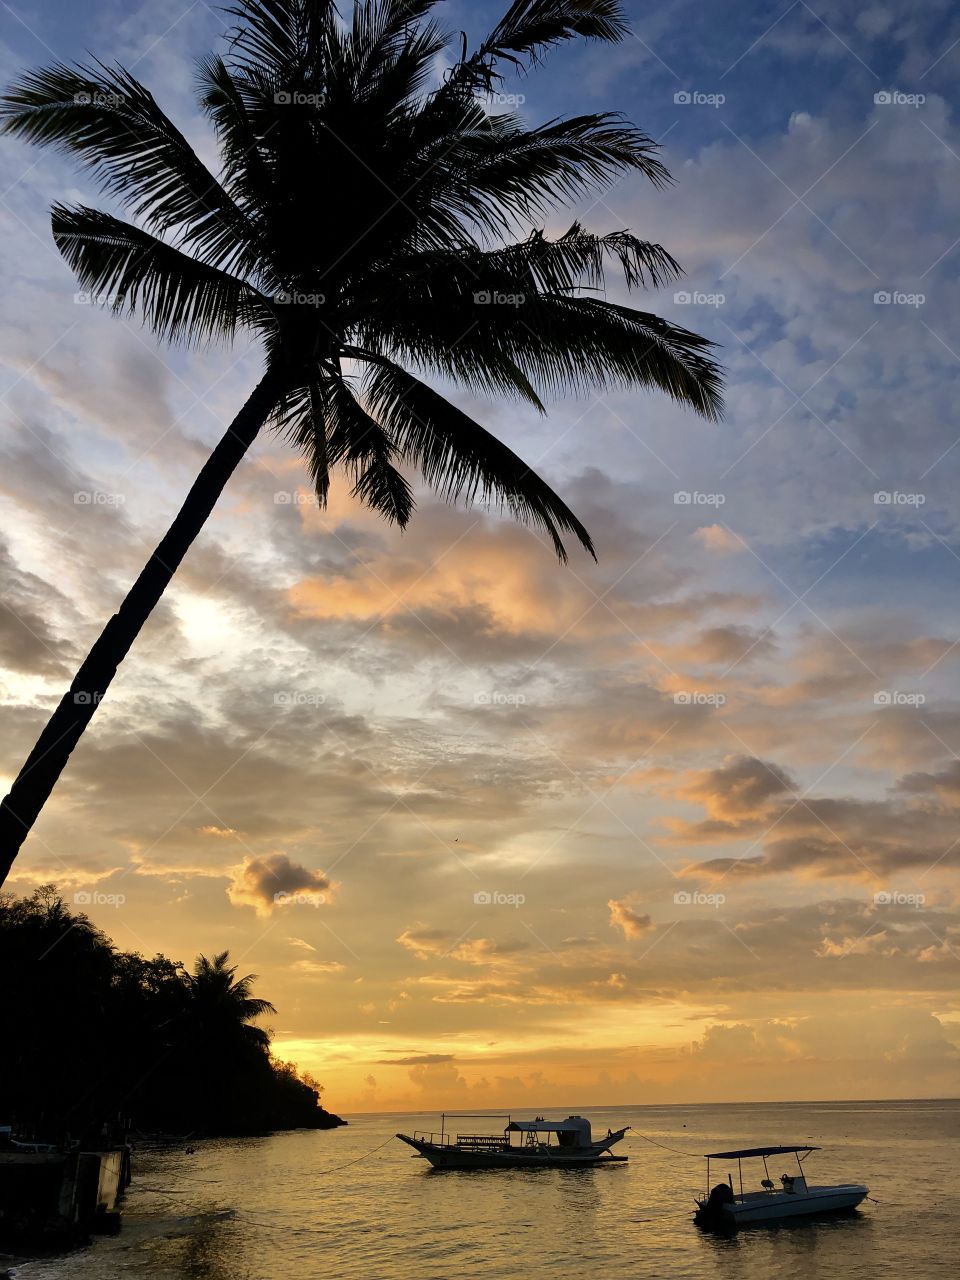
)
(614, 1106)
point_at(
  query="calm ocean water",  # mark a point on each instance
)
(287, 1206)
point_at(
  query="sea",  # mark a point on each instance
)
(354, 1202)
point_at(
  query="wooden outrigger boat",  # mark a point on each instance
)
(539, 1144)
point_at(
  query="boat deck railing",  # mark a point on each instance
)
(465, 1141)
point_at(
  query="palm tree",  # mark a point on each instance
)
(363, 219)
(220, 1004)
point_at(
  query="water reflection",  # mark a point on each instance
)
(271, 1209)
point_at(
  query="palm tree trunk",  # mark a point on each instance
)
(63, 730)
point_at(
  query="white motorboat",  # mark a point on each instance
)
(539, 1144)
(726, 1208)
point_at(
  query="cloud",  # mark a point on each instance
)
(718, 538)
(426, 943)
(417, 1060)
(623, 916)
(28, 642)
(317, 968)
(275, 881)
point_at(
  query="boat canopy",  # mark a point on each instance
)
(572, 1124)
(757, 1151)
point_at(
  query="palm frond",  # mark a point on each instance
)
(246, 175)
(114, 125)
(532, 26)
(461, 460)
(279, 36)
(121, 266)
(327, 423)
(480, 317)
(527, 30)
(498, 174)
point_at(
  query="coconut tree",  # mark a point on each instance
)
(220, 1005)
(375, 225)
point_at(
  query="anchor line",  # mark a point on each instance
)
(694, 1155)
(335, 1168)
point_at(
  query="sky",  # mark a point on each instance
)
(680, 825)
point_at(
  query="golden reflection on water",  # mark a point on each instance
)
(278, 1207)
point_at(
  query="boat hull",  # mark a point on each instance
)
(815, 1200)
(763, 1207)
(449, 1156)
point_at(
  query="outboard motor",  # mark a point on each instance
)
(710, 1214)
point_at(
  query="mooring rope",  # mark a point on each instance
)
(694, 1155)
(335, 1168)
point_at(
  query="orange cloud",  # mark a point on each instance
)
(622, 916)
(275, 881)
